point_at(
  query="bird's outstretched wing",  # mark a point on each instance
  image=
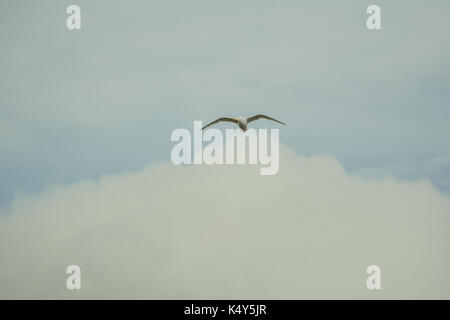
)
(259, 116)
(219, 120)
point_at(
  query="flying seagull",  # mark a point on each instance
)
(241, 121)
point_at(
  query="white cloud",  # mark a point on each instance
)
(227, 232)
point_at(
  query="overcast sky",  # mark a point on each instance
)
(86, 118)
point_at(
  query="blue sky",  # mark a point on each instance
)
(76, 105)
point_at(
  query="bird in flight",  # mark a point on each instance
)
(241, 121)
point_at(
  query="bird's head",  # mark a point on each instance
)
(240, 119)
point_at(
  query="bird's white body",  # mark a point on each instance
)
(242, 123)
